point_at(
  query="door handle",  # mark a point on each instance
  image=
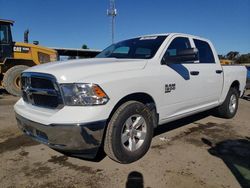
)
(194, 73)
(219, 71)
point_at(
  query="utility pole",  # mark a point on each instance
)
(112, 12)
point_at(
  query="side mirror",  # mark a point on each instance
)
(183, 56)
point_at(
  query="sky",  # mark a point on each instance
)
(72, 23)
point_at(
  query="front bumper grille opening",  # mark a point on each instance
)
(28, 130)
(41, 135)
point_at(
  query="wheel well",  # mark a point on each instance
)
(9, 63)
(140, 97)
(236, 85)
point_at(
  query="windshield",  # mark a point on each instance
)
(137, 48)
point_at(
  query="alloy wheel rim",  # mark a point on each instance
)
(232, 104)
(134, 132)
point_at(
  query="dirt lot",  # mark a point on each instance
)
(200, 151)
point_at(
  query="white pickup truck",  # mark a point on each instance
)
(117, 99)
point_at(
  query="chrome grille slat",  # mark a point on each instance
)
(50, 92)
(41, 90)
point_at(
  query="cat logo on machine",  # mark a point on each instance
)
(21, 49)
(169, 88)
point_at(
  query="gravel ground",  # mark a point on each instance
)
(199, 151)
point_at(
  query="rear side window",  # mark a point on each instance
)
(178, 44)
(205, 52)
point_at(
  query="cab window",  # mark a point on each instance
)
(205, 52)
(178, 44)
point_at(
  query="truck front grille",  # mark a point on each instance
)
(41, 90)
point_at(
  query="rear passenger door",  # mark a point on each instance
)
(210, 71)
(190, 86)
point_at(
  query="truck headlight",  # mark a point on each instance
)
(83, 94)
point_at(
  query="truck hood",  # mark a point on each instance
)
(78, 70)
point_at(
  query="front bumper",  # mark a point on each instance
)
(82, 140)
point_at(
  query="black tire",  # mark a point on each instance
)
(224, 109)
(113, 145)
(11, 79)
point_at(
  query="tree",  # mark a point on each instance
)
(84, 46)
(232, 55)
(236, 57)
(243, 59)
(221, 56)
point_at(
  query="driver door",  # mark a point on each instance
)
(182, 82)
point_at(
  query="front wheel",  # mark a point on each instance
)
(129, 132)
(11, 79)
(229, 107)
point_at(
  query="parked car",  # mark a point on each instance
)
(117, 99)
(248, 78)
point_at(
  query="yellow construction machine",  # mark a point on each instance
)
(15, 57)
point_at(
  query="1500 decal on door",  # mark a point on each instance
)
(169, 88)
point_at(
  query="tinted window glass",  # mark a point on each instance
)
(137, 48)
(122, 50)
(205, 52)
(143, 52)
(3, 34)
(177, 45)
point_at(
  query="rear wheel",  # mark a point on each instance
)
(11, 79)
(229, 107)
(129, 132)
